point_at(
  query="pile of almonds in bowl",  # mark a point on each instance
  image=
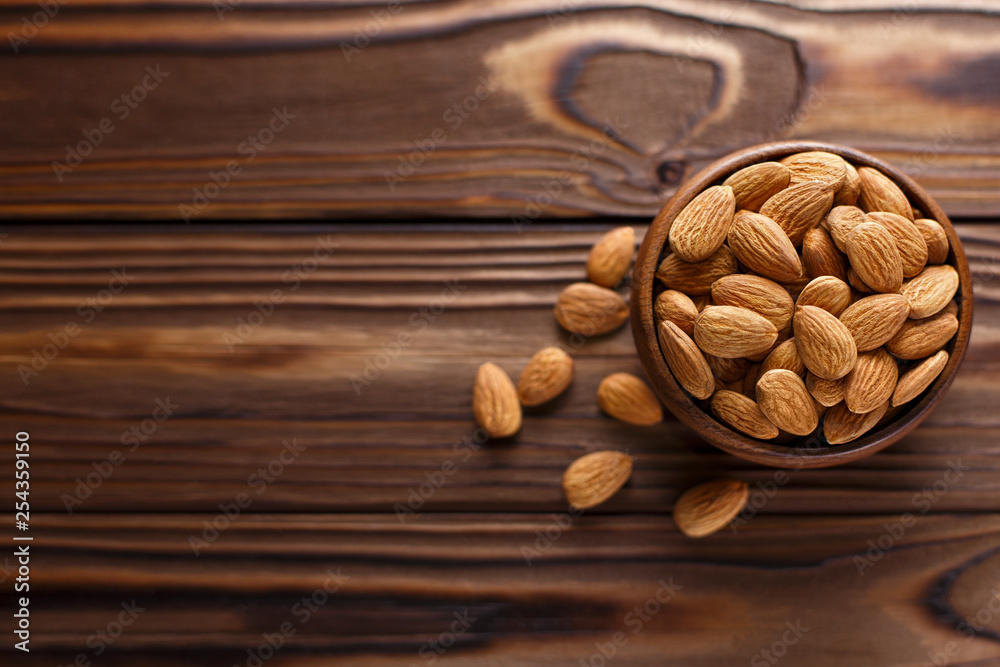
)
(804, 296)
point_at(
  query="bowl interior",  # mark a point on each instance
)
(808, 451)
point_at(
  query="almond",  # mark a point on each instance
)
(840, 425)
(742, 414)
(816, 166)
(749, 388)
(627, 398)
(610, 257)
(676, 307)
(754, 185)
(873, 254)
(951, 307)
(727, 370)
(826, 392)
(909, 241)
(820, 256)
(730, 332)
(871, 382)
(762, 296)
(799, 208)
(879, 193)
(857, 283)
(931, 291)
(547, 375)
(918, 378)
(784, 333)
(685, 360)
(784, 356)
(588, 309)
(696, 278)
(701, 301)
(935, 238)
(875, 319)
(763, 247)
(831, 294)
(495, 403)
(848, 193)
(783, 399)
(701, 227)
(841, 221)
(917, 339)
(824, 343)
(708, 507)
(592, 479)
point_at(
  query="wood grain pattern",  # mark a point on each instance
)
(458, 108)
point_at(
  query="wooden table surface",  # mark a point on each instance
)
(359, 518)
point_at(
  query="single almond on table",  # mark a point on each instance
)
(840, 425)
(871, 382)
(873, 254)
(710, 506)
(701, 226)
(826, 392)
(917, 339)
(763, 247)
(848, 193)
(909, 241)
(730, 332)
(841, 221)
(784, 356)
(610, 257)
(762, 296)
(627, 398)
(879, 193)
(592, 479)
(589, 309)
(685, 360)
(742, 414)
(495, 403)
(816, 166)
(754, 185)
(831, 294)
(820, 256)
(824, 343)
(676, 307)
(935, 238)
(727, 370)
(931, 291)
(875, 319)
(784, 400)
(918, 378)
(548, 374)
(696, 278)
(799, 208)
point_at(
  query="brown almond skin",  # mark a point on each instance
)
(763, 247)
(701, 227)
(590, 310)
(799, 208)
(727, 370)
(816, 166)
(731, 332)
(848, 193)
(548, 373)
(826, 392)
(871, 382)
(824, 343)
(784, 333)
(754, 185)
(873, 255)
(935, 238)
(840, 425)
(627, 398)
(742, 414)
(696, 279)
(879, 193)
(685, 360)
(820, 256)
(611, 256)
(495, 403)
(783, 399)
(857, 283)
(831, 294)
(909, 241)
(761, 295)
(918, 378)
(676, 307)
(841, 221)
(875, 319)
(594, 478)
(931, 291)
(917, 339)
(784, 356)
(709, 507)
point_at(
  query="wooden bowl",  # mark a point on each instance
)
(808, 451)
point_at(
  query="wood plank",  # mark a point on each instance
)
(588, 108)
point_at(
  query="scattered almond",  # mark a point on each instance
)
(627, 398)
(763, 247)
(754, 185)
(685, 360)
(871, 382)
(701, 227)
(708, 507)
(676, 307)
(873, 320)
(762, 296)
(831, 294)
(589, 309)
(918, 378)
(824, 343)
(879, 193)
(742, 414)
(495, 403)
(931, 291)
(547, 375)
(917, 339)
(799, 208)
(611, 256)
(730, 332)
(840, 425)
(873, 254)
(935, 238)
(696, 278)
(592, 479)
(783, 399)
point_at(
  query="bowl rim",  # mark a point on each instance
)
(815, 454)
